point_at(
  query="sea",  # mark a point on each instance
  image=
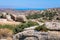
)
(30, 9)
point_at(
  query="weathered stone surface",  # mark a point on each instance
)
(13, 16)
(34, 35)
(4, 14)
(21, 18)
(53, 25)
(30, 28)
(8, 17)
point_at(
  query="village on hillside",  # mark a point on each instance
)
(30, 24)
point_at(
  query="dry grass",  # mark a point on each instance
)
(9, 22)
(4, 33)
(9, 38)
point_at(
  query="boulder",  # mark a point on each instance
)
(53, 25)
(4, 14)
(8, 17)
(13, 16)
(21, 18)
(18, 18)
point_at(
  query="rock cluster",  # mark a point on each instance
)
(34, 35)
(13, 17)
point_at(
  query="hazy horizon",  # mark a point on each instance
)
(29, 4)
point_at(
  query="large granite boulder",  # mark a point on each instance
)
(8, 17)
(53, 25)
(4, 14)
(21, 18)
(13, 16)
(35, 35)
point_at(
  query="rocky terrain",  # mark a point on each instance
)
(30, 24)
(34, 35)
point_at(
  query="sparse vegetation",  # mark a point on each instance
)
(5, 33)
(15, 24)
(9, 27)
(34, 16)
(47, 15)
(20, 27)
(41, 28)
(6, 26)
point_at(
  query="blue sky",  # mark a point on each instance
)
(29, 3)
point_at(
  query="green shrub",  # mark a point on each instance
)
(31, 23)
(34, 16)
(20, 27)
(41, 28)
(6, 26)
(17, 29)
(10, 27)
(46, 15)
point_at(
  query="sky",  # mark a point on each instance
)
(29, 4)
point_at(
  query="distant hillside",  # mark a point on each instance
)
(17, 12)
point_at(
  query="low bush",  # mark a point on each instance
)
(41, 28)
(46, 15)
(6, 26)
(34, 16)
(20, 27)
